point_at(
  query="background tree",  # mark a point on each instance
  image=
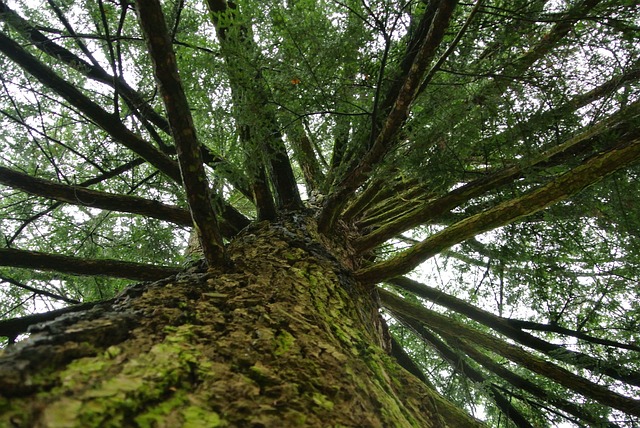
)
(468, 170)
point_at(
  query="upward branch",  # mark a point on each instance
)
(257, 121)
(108, 122)
(506, 76)
(393, 122)
(194, 179)
(580, 145)
(589, 172)
(550, 40)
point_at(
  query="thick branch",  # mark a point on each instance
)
(183, 130)
(447, 325)
(401, 356)
(251, 98)
(77, 266)
(262, 196)
(108, 122)
(589, 172)
(233, 221)
(459, 364)
(77, 195)
(393, 122)
(594, 138)
(502, 325)
(13, 327)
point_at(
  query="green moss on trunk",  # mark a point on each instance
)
(287, 338)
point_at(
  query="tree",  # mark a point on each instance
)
(403, 213)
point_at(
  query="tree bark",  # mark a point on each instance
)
(287, 337)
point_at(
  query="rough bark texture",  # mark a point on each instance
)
(287, 338)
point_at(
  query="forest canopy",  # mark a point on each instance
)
(481, 157)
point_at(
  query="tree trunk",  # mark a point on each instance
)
(283, 338)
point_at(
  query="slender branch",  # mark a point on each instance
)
(92, 71)
(550, 40)
(78, 266)
(626, 152)
(188, 147)
(565, 23)
(495, 87)
(378, 191)
(542, 120)
(112, 173)
(396, 206)
(346, 95)
(525, 384)
(531, 325)
(374, 191)
(452, 46)
(31, 130)
(108, 122)
(38, 291)
(77, 195)
(383, 105)
(134, 99)
(65, 22)
(111, 51)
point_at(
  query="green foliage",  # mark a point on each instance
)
(313, 83)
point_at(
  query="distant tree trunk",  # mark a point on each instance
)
(285, 337)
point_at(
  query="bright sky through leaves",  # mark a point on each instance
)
(487, 149)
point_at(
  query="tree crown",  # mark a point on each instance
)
(487, 149)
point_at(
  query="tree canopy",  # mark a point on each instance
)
(482, 158)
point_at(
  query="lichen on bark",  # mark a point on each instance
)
(286, 337)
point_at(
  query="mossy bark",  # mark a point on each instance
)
(285, 338)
